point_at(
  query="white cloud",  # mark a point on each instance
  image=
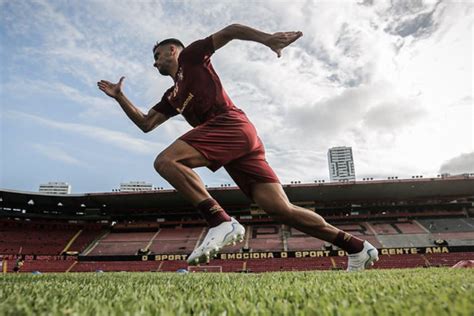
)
(90, 106)
(463, 163)
(56, 153)
(118, 139)
(393, 115)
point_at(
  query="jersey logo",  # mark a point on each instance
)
(174, 93)
(186, 102)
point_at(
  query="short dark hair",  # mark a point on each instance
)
(168, 41)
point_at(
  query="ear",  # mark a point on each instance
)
(173, 49)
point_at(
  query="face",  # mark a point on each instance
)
(165, 59)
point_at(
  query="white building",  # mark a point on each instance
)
(55, 188)
(341, 164)
(135, 186)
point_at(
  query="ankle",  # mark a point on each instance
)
(212, 212)
(348, 242)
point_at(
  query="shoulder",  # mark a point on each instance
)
(198, 51)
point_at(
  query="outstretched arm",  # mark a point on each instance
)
(146, 122)
(276, 41)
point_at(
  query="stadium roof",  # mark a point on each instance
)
(445, 189)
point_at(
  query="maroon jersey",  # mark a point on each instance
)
(197, 92)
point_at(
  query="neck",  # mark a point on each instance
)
(174, 71)
(174, 67)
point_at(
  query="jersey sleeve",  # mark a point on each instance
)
(198, 52)
(164, 105)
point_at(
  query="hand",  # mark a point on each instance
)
(111, 89)
(278, 41)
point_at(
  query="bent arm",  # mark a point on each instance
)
(275, 41)
(146, 122)
(238, 31)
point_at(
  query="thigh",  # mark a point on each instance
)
(184, 153)
(221, 140)
(250, 171)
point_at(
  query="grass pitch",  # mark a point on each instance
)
(436, 291)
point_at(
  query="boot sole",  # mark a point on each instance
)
(229, 239)
(373, 257)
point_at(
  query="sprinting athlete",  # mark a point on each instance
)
(223, 136)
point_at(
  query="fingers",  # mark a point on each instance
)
(293, 37)
(103, 84)
(290, 37)
(284, 39)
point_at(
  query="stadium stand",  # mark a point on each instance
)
(300, 241)
(122, 243)
(178, 240)
(450, 225)
(456, 239)
(414, 223)
(405, 240)
(84, 238)
(383, 228)
(410, 227)
(42, 238)
(265, 238)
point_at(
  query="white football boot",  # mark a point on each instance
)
(363, 259)
(224, 234)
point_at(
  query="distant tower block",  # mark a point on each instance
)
(341, 164)
(135, 186)
(55, 188)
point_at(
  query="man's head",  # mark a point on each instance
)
(166, 55)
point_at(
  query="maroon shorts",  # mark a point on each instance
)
(230, 140)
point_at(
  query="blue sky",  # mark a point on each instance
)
(392, 80)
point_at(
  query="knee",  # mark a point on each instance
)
(162, 164)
